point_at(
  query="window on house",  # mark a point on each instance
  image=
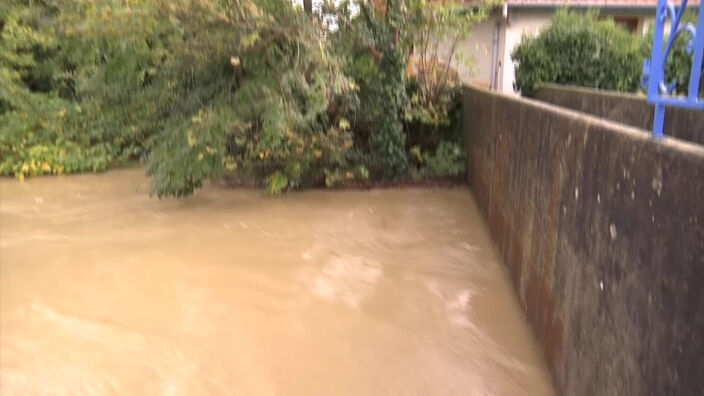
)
(630, 24)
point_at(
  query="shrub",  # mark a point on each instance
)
(75, 84)
(433, 127)
(409, 87)
(257, 89)
(255, 92)
(433, 113)
(579, 49)
(377, 43)
(448, 160)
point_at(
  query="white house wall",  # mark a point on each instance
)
(520, 22)
(478, 46)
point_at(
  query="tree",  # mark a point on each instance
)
(437, 29)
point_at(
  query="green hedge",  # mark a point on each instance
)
(580, 49)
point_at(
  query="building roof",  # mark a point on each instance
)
(592, 3)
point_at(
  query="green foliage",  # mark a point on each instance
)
(338, 177)
(74, 84)
(409, 89)
(44, 142)
(31, 115)
(448, 160)
(429, 124)
(579, 49)
(377, 45)
(278, 182)
(258, 89)
(258, 93)
(679, 63)
(388, 143)
(432, 115)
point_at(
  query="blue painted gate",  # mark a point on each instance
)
(654, 81)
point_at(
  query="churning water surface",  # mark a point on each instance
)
(104, 290)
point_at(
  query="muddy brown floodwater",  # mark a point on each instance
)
(105, 291)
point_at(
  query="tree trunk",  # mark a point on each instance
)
(308, 6)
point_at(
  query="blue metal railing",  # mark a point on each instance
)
(654, 80)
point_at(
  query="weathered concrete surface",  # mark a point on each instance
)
(602, 231)
(627, 109)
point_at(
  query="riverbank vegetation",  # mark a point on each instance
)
(256, 89)
(580, 48)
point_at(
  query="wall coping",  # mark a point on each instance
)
(667, 143)
(595, 91)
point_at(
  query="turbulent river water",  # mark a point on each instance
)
(104, 290)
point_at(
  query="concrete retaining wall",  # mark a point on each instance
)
(602, 231)
(627, 109)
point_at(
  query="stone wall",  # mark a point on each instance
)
(602, 230)
(627, 109)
